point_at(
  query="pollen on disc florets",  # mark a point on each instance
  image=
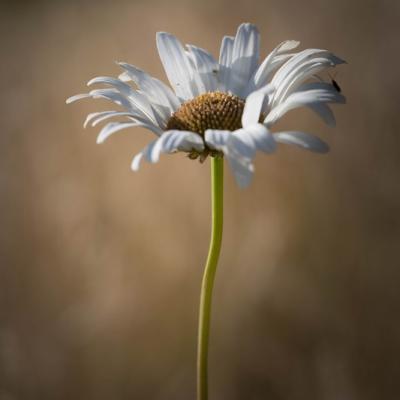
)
(212, 110)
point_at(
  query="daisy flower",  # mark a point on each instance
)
(219, 108)
(222, 109)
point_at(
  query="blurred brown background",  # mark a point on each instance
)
(101, 268)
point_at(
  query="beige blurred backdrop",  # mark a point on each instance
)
(100, 267)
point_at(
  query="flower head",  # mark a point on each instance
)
(219, 108)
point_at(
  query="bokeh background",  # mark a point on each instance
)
(100, 268)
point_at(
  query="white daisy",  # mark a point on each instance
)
(225, 107)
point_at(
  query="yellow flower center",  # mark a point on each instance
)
(213, 110)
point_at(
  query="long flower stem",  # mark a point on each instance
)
(217, 192)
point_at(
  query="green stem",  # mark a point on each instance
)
(217, 192)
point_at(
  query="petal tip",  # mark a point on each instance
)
(75, 97)
(162, 34)
(135, 164)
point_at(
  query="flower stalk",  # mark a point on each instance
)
(217, 191)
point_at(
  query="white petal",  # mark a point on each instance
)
(145, 153)
(236, 151)
(327, 94)
(174, 140)
(135, 165)
(303, 140)
(77, 97)
(169, 142)
(237, 142)
(225, 53)
(240, 153)
(263, 74)
(206, 68)
(262, 138)
(111, 128)
(155, 90)
(225, 62)
(124, 76)
(104, 116)
(176, 65)
(324, 111)
(136, 103)
(287, 46)
(252, 108)
(94, 115)
(245, 55)
(243, 170)
(141, 103)
(255, 104)
(122, 87)
(138, 100)
(299, 68)
(242, 144)
(108, 94)
(112, 95)
(304, 57)
(216, 139)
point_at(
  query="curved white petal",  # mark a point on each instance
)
(245, 55)
(136, 103)
(263, 74)
(174, 140)
(135, 164)
(145, 153)
(116, 83)
(138, 100)
(303, 140)
(287, 45)
(176, 65)
(156, 91)
(113, 127)
(304, 57)
(206, 68)
(106, 115)
(93, 116)
(299, 68)
(169, 142)
(237, 142)
(304, 98)
(77, 97)
(113, 95)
